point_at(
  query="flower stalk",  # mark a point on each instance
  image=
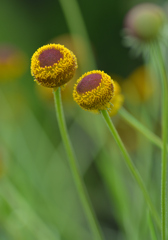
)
(131, 166)
(162, 71)
(74, 169)
(140, 127)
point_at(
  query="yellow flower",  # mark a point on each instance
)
(94, 90)
(53, 65)
(78, 46)
(117, 100)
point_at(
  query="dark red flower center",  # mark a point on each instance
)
(89, 83)
(49, 57)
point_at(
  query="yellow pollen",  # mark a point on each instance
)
(99, 97)
(56, 70)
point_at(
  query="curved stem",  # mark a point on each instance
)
(74, 169)
(131, 166)
(162, 71)
(140, 127)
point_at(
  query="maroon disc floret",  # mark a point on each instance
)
(89, 83)
(49, 57)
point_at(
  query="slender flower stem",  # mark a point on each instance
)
(131, 166)
(140, 127)
(162, 71)
(75, 172)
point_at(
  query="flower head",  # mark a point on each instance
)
(94, 90)
(117, 100)
(53, 65)
(144, 21)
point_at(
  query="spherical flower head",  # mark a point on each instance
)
(144, 21)
(117, 100)
(94, 90)
(53, 65)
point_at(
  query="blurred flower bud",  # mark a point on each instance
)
(144, 21)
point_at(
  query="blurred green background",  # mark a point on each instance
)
(38, 199)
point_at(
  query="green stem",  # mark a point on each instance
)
(75, 172)
(162, 71)
(131, 166)
(140, 127)
(151, 227)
